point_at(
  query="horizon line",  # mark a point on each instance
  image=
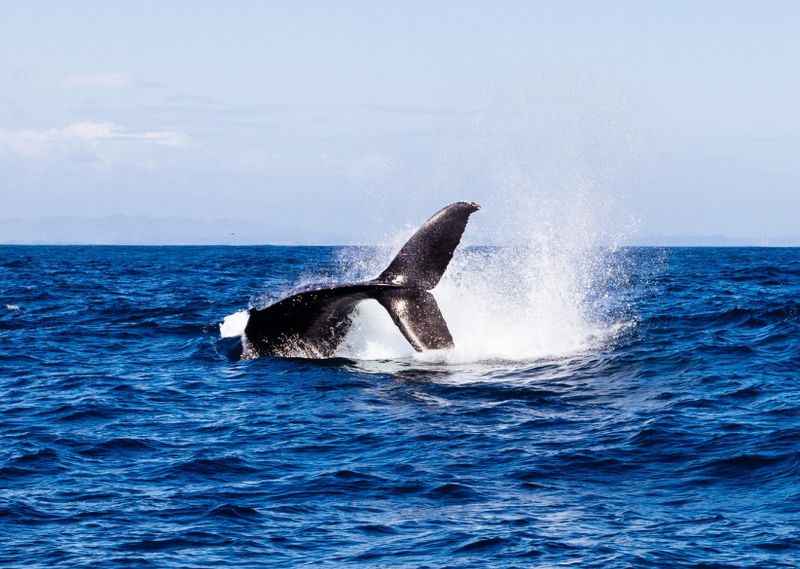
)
(649, 245)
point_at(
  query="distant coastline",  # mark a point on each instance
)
(153, 231)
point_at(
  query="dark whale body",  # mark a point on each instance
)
(313, 323)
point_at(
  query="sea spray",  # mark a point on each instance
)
(547, 293)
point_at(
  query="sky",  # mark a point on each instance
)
(323, 122)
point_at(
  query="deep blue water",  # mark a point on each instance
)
(132, 439)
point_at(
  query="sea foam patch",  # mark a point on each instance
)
(234, 324)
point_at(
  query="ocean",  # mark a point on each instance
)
(626, 407)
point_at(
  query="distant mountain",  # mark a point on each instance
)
(716, 241)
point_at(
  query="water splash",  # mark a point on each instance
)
(547, 294)
(234, 324)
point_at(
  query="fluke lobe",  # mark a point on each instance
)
(313, 323)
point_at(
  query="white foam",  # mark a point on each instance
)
(374, 336)
(12, 307)
(234, 324)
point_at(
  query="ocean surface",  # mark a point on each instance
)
(629, 408)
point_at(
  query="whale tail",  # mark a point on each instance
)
(418, 268)
(314, 322)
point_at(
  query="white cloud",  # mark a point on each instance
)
(99, 80)
(94, 131)
(87, 136)
(86, 131)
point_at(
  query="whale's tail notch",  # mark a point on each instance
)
(422, 261)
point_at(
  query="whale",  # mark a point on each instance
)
(313, 322)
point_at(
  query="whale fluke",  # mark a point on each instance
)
(313, 323)
(423, 259)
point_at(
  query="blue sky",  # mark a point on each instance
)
(326, 122)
